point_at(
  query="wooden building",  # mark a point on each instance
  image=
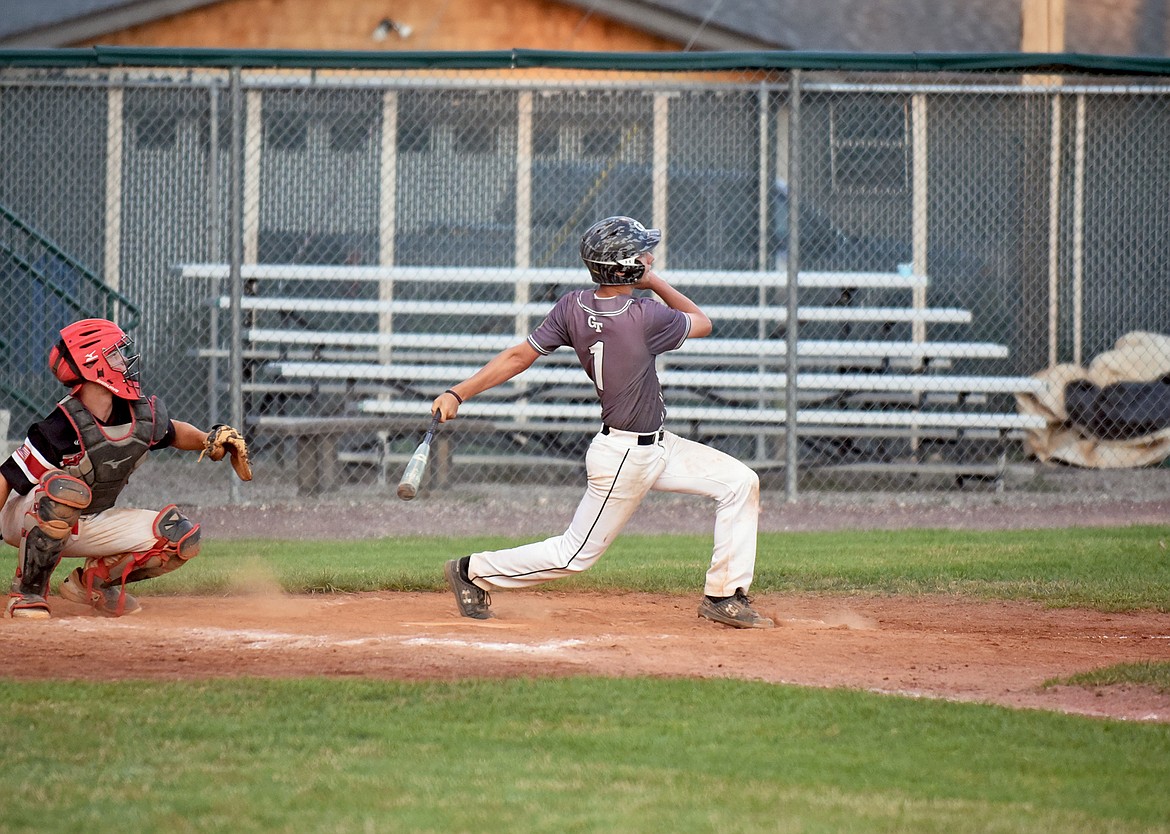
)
(1102, 27)
(416, 25)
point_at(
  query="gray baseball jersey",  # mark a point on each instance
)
(616, 340)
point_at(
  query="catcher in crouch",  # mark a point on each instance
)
(58, 488)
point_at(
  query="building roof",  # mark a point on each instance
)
(830, 25)
(1094, 27)
(53, 23)
(1101, 27)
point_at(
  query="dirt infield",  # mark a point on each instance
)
(937, 647)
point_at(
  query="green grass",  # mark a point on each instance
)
(1110, 569)
(1154, 675)
(567, 755)
(600, 755)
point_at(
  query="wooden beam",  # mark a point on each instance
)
(1042, 30)
(1042, 25)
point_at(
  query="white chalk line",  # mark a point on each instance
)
(547, 647)
(263, 639)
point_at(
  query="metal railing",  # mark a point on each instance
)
(35, 266)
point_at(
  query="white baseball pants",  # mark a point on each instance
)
(620, 474)
(115, 531)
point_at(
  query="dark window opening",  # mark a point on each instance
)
(286, 131)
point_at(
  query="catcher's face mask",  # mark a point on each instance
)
(101, 352)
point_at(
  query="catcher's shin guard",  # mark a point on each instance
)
(57, 505)
(176, 541)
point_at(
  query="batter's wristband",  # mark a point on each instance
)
(458, 398)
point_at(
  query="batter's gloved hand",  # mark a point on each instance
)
(224, 440)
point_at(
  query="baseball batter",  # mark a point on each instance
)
(58, 489)
(616, 337)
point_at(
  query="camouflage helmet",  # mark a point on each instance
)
(610, 250)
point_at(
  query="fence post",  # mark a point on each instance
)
(791, 444)
(1055, 175)
(763, 190)
(115, 136)
(214, 252)
(236, 168)
(1078, 253)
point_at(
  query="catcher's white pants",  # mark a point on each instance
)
(620, 474)
(115, 531)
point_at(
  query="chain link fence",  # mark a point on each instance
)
(918, 279)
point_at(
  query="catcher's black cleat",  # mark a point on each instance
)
(472, 600)
(27, 607)
(735, 611)
(110, 601)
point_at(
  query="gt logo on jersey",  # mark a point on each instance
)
(594, 323)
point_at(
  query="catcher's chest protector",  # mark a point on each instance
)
(107, 462)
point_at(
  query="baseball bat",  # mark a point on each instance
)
(412, 476)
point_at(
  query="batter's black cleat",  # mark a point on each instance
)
(472, 600)
(735, 611)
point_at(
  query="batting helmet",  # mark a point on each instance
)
(610, 250)
(97, 350)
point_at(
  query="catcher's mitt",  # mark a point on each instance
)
(223, 440)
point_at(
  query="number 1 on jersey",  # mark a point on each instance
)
(597, 349)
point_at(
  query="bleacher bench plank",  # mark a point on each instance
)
(716, 414)
(773, 314)
(574, 277)
(998, 472)
(761, 348)
(317, 438)
(747, 380)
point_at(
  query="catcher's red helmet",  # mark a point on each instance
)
(97, 350)
(610, 249)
